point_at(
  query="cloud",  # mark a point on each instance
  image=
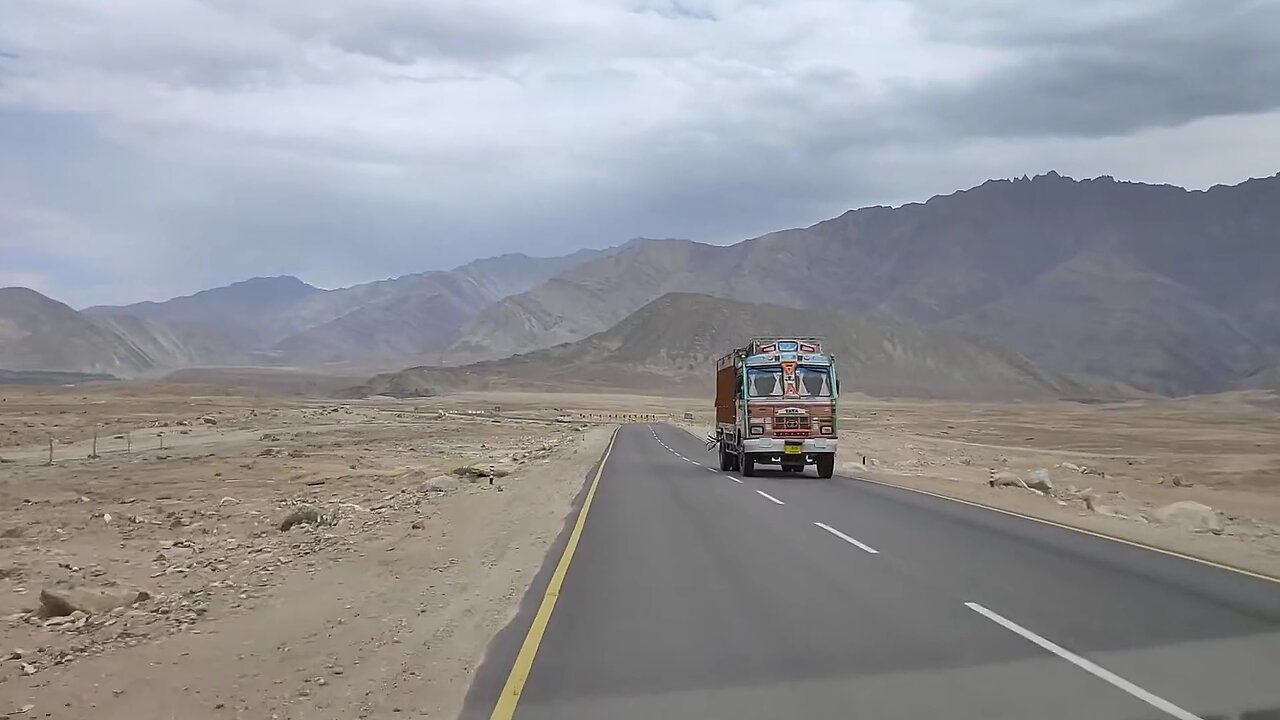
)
(172, 145)
(1099, 68)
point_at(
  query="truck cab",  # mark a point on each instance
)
(776, 405)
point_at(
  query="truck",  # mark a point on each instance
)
(776, 405)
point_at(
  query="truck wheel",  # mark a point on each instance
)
(826, 465)
(724, 459)
(748, 465)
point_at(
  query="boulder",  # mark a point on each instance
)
(1189, 515)
(60, 602)
(304, 514)
(209, 420)
(1093, 504)
(1005, 478)
(1039, 480)
(440, 483)
(474, 472)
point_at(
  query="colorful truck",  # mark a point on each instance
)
(776, 405)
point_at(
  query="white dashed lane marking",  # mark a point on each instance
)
(769, 497)
(847, 539)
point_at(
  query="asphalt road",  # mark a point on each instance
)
(693, 593)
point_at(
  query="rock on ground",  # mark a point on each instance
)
(1005, 478)
(305, 514)
(1189, 515)
(1039, 480)
(59, 602)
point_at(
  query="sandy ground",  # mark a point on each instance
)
(1111, 466)
(380, 609)
(383, 606)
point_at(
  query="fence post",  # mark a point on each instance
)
(50, 451)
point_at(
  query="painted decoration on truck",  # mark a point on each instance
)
(789, 379)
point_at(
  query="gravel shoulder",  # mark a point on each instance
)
(421, 528)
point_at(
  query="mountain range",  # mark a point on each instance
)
(1164, 289)
(285, 320)
(1098, 283)
(670, 344)
(37, 333)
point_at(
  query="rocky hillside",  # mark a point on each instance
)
(1163, 288)
(253, 311)
(287, 320)
(37, 333)
(1265, 379)
(671, 344)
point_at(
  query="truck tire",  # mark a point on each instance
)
(826, 466)
(725, 464)
(748, 465)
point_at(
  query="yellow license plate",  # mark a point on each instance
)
(792, 449)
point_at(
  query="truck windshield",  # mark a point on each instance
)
(767, 382)
(813, 382)
(764, 382)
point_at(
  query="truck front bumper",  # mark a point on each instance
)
(774, 446)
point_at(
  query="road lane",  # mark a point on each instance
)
(1204, 637)
(691, 595)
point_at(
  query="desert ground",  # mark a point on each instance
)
(305, 558)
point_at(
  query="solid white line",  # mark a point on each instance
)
(1084, 664)
(847, 539)
(767, 496)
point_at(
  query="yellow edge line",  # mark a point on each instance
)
(1104, 536)
(506, 705)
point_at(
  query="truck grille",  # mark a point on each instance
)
(791, 423)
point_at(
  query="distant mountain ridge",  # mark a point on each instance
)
(283, 319)
(671, 343)
(1170, 290)
(37, 333)
(247, 308)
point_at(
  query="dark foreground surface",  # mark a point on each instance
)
(700, 594)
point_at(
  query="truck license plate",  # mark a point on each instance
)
(792, 449)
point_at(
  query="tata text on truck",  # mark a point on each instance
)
(776, 405)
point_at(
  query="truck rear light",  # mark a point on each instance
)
(827, 430)
(757, 429)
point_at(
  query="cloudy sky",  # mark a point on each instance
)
(155, 147)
